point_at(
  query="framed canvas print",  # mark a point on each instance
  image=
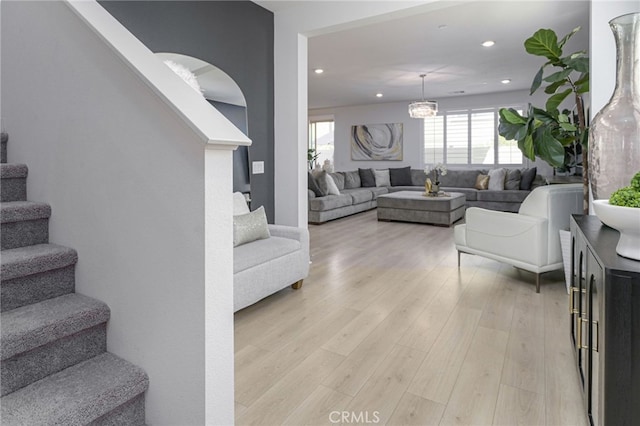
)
(376, 142)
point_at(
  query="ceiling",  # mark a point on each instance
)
(445, 44)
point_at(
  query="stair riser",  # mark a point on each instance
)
(24, 233)
(130, 413)
(29, 367)
(3, 151)
(35, 288)
(13, 189)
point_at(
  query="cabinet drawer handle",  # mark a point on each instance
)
(579, 344)
(572, 307)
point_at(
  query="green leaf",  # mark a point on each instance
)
(510, 115)
(567, 37)
(537, 81)
(568, 127)
(553, 87)
(544, 42)
(558, 76)
(544, 116)
(583, 88)
(578, 64)
(550, 149)
(554, 101)
(527, 148)
(563, 117)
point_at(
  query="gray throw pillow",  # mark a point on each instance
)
(352, 180)
(418, 177)
(366, 178)
(250, 227)
(512, 181)
(400, 176)
(313, 185)
(528, 175)
(338, 178)
(326, 183)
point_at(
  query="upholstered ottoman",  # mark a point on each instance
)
(413, 206)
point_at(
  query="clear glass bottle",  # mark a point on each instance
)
(614, 138)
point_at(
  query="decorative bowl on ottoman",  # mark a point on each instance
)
(624, 219)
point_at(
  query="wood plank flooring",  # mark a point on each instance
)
(387, 330)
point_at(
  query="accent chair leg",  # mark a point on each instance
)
(458, 259)
(537, 283)
(297, 285)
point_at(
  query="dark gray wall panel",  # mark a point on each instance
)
(235, 36)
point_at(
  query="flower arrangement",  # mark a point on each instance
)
(438, 170)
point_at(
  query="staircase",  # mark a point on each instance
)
(55, 368)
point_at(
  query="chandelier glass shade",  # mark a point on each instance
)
(423, 108)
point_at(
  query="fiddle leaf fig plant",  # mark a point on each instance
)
(547, 132)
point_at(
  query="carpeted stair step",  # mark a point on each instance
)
(43, 338)
(35, 273)
(13, 182)
(105, 390)
(4, 138)
(23, 223)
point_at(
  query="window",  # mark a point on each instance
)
(321, 139)
(469, 137)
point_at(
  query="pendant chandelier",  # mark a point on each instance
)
(423, 108)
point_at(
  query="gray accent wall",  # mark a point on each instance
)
(235, 36)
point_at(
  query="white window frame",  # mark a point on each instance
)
(469, 112)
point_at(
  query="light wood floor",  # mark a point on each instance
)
(387, 330)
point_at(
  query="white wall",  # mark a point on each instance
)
(126, 176)
(397, 112)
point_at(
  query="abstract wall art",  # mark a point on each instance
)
(377, 142)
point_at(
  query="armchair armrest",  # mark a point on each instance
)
(510, 235)
(291, 232)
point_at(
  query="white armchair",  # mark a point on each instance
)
(528, 239)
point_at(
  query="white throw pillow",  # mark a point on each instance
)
(250, 227)
(382, 177)
(239, 204)
(496, 179)
(332, 188)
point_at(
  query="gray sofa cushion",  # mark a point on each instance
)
(460, 178)
(379, 191)
(330, 202)
(471, 194)
(418, 177)
(367, 180)
(512, 181)
(351, 179)
(359, 195)
(261, 251)
(312, 185)
(528, 175)
(338, 178)
(505, 196)
(400, 176)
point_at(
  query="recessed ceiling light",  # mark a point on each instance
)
(488, 43)
(318, 70)
(442, 27)
(457, 92)
(379, 95)
(506, 81)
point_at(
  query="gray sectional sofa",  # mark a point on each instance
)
(355, 198)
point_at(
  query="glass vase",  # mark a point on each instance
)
(614, 138)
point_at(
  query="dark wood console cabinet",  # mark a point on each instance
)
(604, 303)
